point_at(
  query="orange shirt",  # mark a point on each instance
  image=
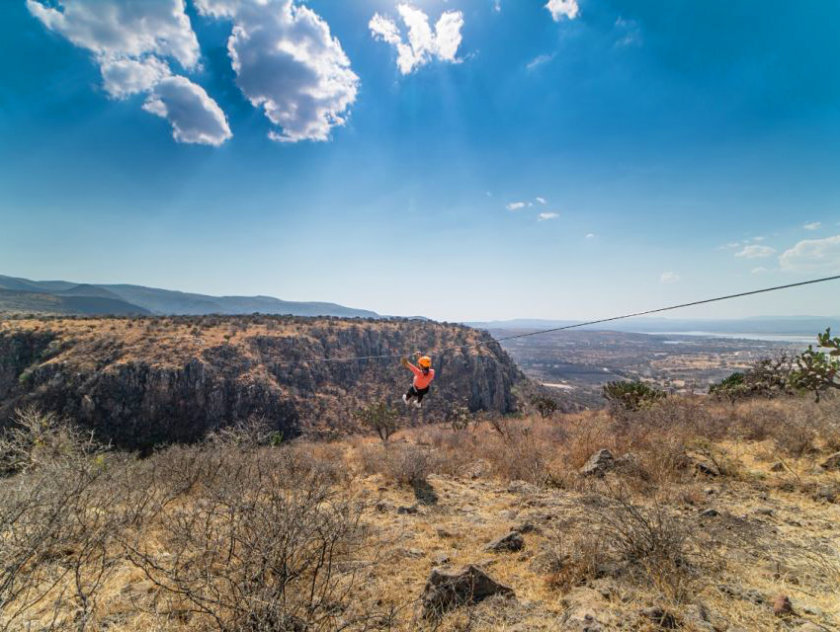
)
(421, 380)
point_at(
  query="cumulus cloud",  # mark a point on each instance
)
(516, 206)
(194, 116)
(813, 255)
(590, 235)
(288, 63)
(669, 277)
(563, 9)
(755, 252)
(813, 226)
(546, 216)
(541, 200)
(422, 44)
(132, 40)
(122, 28)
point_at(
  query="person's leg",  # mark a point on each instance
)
(411, 393)
(420, 394)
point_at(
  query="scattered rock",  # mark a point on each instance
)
(527, 527)
(750, 594)
(513, 541)
(778, 466)
(782, 606)
(599, 463)
(832, 462)
(383, 507)
(660, 617)
(764, 511)
(709, 513)
(706, 468)
(407, 510)
(827, 493)
(443, 533)
(709, 491)
(415, 553)
(441, 558)
(446, 590)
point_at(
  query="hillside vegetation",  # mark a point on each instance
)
(688, 514)
(140, 382)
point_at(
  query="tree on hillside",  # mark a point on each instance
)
(819, 371)
(767, 377)
(546, 406)
(631, 396)
(381, 418)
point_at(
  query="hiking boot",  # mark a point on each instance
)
(418, 404)
(405, 399)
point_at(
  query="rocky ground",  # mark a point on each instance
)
(690, 515)
(760, 541)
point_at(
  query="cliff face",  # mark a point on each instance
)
(146, 381)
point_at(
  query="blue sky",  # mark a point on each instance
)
(520, 160)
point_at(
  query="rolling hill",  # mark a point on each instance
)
(19, 295)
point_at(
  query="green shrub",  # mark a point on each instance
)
(631, 396)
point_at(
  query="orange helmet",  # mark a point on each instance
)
(425, 362)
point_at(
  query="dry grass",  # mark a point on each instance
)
(239, 535)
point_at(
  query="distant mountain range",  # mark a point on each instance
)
(64, 297)
(764, 325)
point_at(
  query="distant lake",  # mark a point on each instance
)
(793, 339)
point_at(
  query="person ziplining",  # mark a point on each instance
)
(423, 376)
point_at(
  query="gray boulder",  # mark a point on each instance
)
(447, 590)
(509, 543)
(599, 463)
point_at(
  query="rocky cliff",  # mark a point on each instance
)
(140, 382)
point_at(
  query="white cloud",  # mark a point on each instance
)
(759, 270)
(732, 245)
(497, 5)
(669, 277)
(541, 200)
(546, 216)
(131, 41)
(813, 255)
(755, 252)
(123, 77)
(813, 226)
(516, 206)
(563, 9)
(122, 28)
(423, 45)
(288, 63)
(538, 61)
(590, 235)
(194, 116)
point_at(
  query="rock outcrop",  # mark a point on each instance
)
(140, 382)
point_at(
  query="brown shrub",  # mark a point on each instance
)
(264, 548)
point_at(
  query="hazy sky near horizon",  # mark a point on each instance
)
(459, 159)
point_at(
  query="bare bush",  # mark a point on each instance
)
(57, 524)
(37, 439)
(267, 547)
(647, 543)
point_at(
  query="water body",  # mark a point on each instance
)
(791, 338)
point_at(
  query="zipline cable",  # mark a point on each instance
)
(540, 332)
